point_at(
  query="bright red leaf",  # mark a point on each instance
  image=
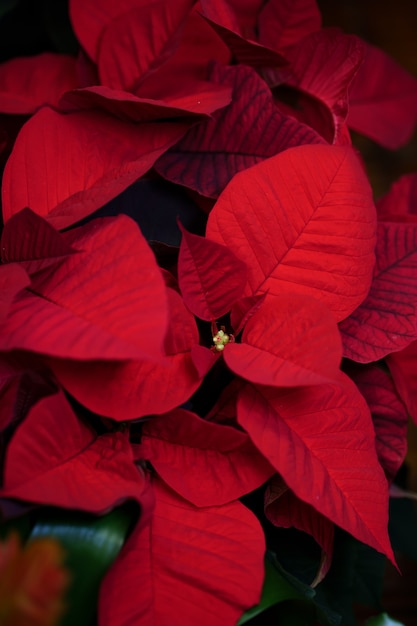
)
(383, 100)
(291, 341)
(67, 166)
(304, 222)
(211, 153)
(321, 441)
(225, 463)
(27, 83)
(387, 320)
(210, 276)
(56, 460)
(210, 574)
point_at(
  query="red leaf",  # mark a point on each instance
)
(67, 166)
(225, 464)
(284, 509)
(211, 153)
(106, 302)
(403, 368)
(146, 387)
(27, 83)
(383, 100)
(284, 23)
(54, 459)
(401, 200)
(389, 416)
(387, 320)
(243, 310)
(271, 352)
(203, 565)
(304, 222)
(138, 41)
(321, 441)
(210, 277)
(13, 279)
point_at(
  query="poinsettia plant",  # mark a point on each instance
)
(208, 329)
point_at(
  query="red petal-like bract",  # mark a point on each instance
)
(282, 23)
(304, 222)
(27, 83)
(13, 279)
(284, 509)
(189, 566)
(210, 276)
(106, 302)
(403, 368)
(387, 320)
(55, 459)
(401, 200)
(291, 341)
(67, 166)
(321, 441)
(212, 152)
(389, 416)
(139, 41)
(383, 100)
(146, 386)
(225, 463)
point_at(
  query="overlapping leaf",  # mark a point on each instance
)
(55, 459)
(290, 341)
(304, 222)
(211, 153)
(210, 276)
(67, 166)
(320, 439)
(213, 573)
(387, 320)
(383, 100)
(224, 456)
(403, 368)
(283, 24)
(13, 279)
(401, 200)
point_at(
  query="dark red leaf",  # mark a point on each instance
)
(290, 341)
(320, 439)
(67, 166)
(213, 573)
(210, 276)
(403, 368)
(387, 320)
(283, 23)
(13, 279)
(146, 386)
(27, 83)
(56, 460)
(211, 153)
(243, 310)
(401, 200)
(388, 414)
(383, 100)
(304, 222)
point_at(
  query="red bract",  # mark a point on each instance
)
(282, 24)
(321, 441)
(89, 158)
(403, 368)
(204, 566)
(211, 153)
(386, 321)
(400, 201)
(13, 279)
(295, 220)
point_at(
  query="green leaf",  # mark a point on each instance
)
(91, 544)
(382, 620)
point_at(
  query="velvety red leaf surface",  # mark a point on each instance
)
(225, 463)
(210, 276)
(283, 23)
(212, 152)
(401, 200)
(304, 222)
(27, 83)
(67, 166)
(13, 279)
(201, 99)
(321, 440)
(146, 386)
(288, 342)
(386, 321)
(243, 310)
(139, 41)
(383, 100)
(284, 509)
(403, 369)
(210, 574)
(389, 415)
(106, 302)
(54, 459)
